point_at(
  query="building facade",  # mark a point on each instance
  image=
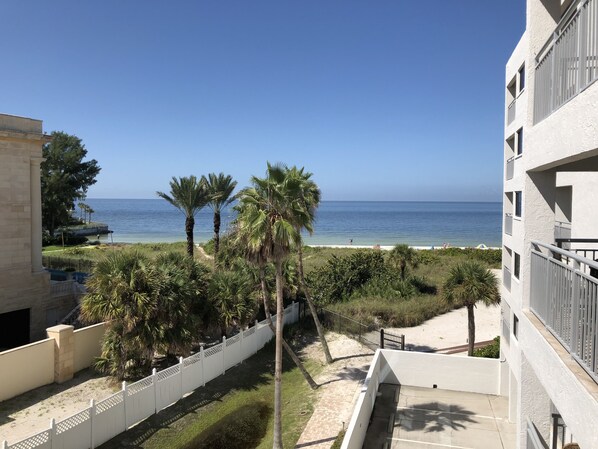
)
(550, 235)
(26, 302)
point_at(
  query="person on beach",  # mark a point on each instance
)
(350, 241)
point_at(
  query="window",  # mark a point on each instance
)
(521, 76)
(519, 141)
(516, 265)
(518, 203)
(515, 326)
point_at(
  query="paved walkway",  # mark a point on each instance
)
(339, 387)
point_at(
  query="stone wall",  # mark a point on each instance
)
(25, 285)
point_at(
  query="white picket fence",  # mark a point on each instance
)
(105, 419)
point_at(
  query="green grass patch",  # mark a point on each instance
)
(204, 414)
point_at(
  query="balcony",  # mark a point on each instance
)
(510, 167)
(511, 111)
(509, 224)
(562, 230)
(564, 296)
(568, 62)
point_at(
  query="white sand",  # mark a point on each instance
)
(450, 329)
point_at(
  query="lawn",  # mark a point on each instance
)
(192, 420)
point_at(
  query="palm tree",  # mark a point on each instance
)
(266, 224)
(189, 195)
(308, 201)
(401, 256)
(220, 188)
(120, 291)
(230, 297)
(469, 283)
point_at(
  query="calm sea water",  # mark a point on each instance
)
(337, 222)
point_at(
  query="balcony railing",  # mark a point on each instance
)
(568, 62)
(562, 230)
(509, 224)
(510, 167)
(511, 111)
(506, 277)
(564, 296)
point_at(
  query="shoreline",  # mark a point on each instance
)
(389, 247)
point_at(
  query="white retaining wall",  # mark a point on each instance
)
(419, 369)
(107, 418)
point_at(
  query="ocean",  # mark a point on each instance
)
(337, 222)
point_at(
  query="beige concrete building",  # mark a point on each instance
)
(550, 277)
(27, 306)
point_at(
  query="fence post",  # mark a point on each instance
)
(223, 355)
(381, 338)
(203, 371)
(92, 414)
(52, 431)
(181, 370)
(125, 394)
(255, 336)
(241, 347)
(402, 342)
(155, 383)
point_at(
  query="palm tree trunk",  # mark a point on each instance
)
(216, 233)
(277, 434)
(471, 329)
(312, 309)
(189, 225)
(266, 299)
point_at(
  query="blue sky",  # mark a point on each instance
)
(381, 100)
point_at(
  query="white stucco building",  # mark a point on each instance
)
(550, 283)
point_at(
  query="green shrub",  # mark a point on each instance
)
(242, 429)
(491, 351)
(492, 257)
(341, 276)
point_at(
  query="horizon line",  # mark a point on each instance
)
(330, 201)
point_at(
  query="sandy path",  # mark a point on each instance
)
(30, 413)
(450, 329)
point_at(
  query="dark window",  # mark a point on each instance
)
(520, 141)
(516, 265)
(522, 78)
(515, 326)
(518, 203)
(14, 329)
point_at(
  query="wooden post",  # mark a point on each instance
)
(381, 338)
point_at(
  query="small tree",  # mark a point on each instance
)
(402, 256)
(65, 178)
(469, 283)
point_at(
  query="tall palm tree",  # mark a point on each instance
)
(267, 225)
(189, 195)
(308, 201)
(469, 283)
(401, 256)
(220, 188)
